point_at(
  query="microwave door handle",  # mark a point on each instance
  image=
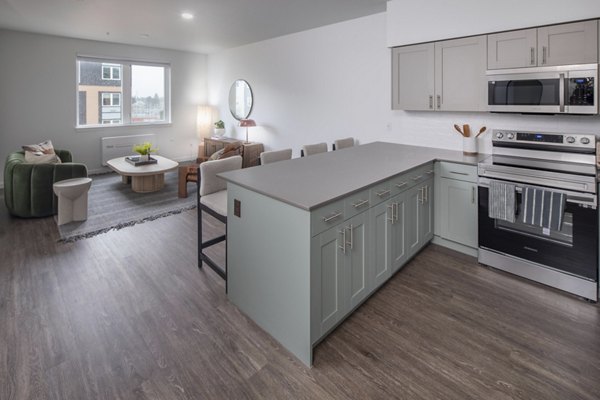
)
(561, 93)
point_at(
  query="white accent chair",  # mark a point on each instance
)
(268, 157)
(212, 199)
(311, 149)
(343, 143)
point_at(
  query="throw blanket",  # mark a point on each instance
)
(501, 201)
(543, 208)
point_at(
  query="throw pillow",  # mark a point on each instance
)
(41, 148)
(40, 158)
(232, 149)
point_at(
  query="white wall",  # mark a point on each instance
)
(38, 94)
(412, 21)
(334, 82)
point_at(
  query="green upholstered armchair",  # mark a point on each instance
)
(28, 187)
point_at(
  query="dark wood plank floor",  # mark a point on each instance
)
(127, 315)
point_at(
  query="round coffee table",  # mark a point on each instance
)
(144, 178)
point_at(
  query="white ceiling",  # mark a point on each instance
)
(218, 24)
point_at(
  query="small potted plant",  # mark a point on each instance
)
(144, 150)
(219, 128)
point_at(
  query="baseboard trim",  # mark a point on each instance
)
(461, 248)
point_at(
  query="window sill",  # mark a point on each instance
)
(111, 126)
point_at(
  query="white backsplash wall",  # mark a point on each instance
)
(335, 81)
(37, 100)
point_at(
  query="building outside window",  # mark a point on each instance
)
(122, 93)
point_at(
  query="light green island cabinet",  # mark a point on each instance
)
(310, 239)
(456, 207)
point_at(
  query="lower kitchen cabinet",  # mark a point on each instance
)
(343, 260)
(459, 211)
(388, 238)
(456, 207)
(419, 221)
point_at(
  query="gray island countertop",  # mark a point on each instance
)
(312, 182)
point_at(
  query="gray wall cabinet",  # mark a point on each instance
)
(575, 43)
(441, 76)
(456, 206)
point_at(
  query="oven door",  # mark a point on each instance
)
(573, 249)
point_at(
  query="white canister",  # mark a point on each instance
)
(470, 145)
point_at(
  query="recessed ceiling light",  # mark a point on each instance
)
(187, 15)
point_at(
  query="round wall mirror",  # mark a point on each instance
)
(240, 99)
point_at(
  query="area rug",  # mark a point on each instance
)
(113, 205)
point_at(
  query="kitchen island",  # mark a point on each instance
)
(310, 239)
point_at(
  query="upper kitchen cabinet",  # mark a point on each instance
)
(441, 76)
(568, 44)
(460, 74)
(512, 49)
(413, 77)
(575, 43)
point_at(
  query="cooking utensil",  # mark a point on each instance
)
(483, 128)
(459, 130)
(466, 130)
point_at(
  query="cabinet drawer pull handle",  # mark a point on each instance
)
(333, 216)
(430, 172)
(401, 184)
(395, 212)
(473, 195)
(459, 173)
(360, 203)
(416, 178)
(383, 193)
(426, 191)
(439, 101)
(543, 55)
(343, 246)
(431, 102)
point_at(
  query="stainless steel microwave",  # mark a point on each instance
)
(569, 89)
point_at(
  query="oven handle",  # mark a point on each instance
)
(586, 199)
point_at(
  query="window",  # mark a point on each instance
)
(111, 92)
(111, 71)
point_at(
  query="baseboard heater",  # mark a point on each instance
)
(121, 146)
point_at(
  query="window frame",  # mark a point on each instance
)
(126, 97)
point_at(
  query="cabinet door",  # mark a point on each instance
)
(398, 233)
(381, 239)
(357, 260)
(330, 262)
(575, 43)
(426, 212)
(460, 81)
(458, 212)
(512, 49)
(413, 77)
(413, 220)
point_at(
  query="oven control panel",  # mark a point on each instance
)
(525, 138)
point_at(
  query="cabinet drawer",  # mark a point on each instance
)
(327, 216)
(461, 172)
(357, 203)
(380, 192)
(400, 183)
(419, 175)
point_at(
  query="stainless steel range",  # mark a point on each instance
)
(538, 215)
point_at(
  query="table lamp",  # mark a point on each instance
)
(247, 123)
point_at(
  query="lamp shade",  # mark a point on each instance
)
(247, 122)
(204, 121)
